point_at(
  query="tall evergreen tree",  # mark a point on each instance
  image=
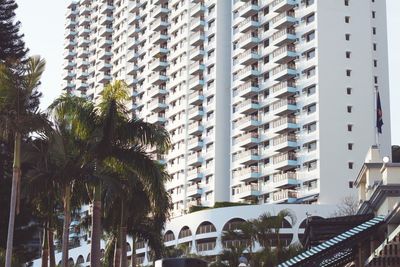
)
(12, 47)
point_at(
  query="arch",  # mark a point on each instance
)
(88, 258)
(185, 232)
(205, 227)
(303, 224)
(128, 247)
(71, 262)
(232, 224)
(169, 236)
(80, 260)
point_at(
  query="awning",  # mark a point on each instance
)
(337, 250)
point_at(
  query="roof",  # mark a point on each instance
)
(336, 250)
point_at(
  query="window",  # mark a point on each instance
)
(375, 79)
(312, 127)
(373, 30)
(373, 14)
(347, 36)
(347, 19)
(350, 146)
(346, 2)
(310, 18)
(311, 146)
(351, 165)
(310, 36)
(311, 90)
(309, 2)
(312, 165)
(349, 127)
(348, 73)
(374, 46)
(349, 109)
(348, 90)
(351, 184)
(348, 54)
(375, 63)
(311, 108)
(310, 72)
(310, 54)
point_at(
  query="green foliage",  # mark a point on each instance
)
(229, 204)
(197, 208)
(15, 262)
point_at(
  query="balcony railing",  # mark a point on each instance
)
(283, 120)
(245, 171)
(284, 157)
(284, 138)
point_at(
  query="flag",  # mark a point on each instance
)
(379, 119)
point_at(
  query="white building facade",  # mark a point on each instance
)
(250, 91)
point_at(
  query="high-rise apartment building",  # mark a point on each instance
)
(266, 101)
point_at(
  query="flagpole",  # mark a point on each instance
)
(376, 116)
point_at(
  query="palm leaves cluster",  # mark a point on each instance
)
(81, 153)
(260, 240)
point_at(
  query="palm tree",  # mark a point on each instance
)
(19, 116)
(113, 137)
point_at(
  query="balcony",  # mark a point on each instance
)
(104, 54)
(106, 8)
(196, 53)
(195, 144)
(82, 63)
(248, 9)
(247, 123)
(197, 24)
(197, 10)
(247, 157)
(283, 89)
(196, 68)
(196, 113)
(246, 174)
(105, 31)
(248, 73)
(246, 191)
(106, 20)
(82, 74)
(248, 24)
(81, 85)
(285, 36)
(248, 41)
(195, 160)
(283, 106)
(160, 10)
(156, 92)
(280, 6)
(70, 65)
(157, 118)
(105, 78)
(248, 89)
(285, 180)
(194, 191)
(160, 24)
(197, 39)
(158, 78)
(247, 106)
(85, 10)
(158, 37)
(157, 105)
(196, 83)
(104, 42)
(159, 64)
(284, 54)
(195, 129)
(284, 142)
(285, 161)
(159, 51)
(195, 175)
(284, 72)
(134, 6)
(247, 140)
(247, 58)
(284, 196)
(284, 20)
(84, 31)
(196, 98)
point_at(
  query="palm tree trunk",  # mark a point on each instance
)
(123, 232)
(14, 192)
(133, 255)
(96, 228)
(117, 251)
(45, 248)
(51, 246)
(67, 221)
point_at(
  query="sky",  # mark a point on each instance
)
(43, 26)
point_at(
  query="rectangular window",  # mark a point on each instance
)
(310, 72)
(311, 90)
(376, 79)
(310, 18)
(309, 2)
(312, 146)
(347, 36)
(348, 54)
(351, 165)
(349, 109)
(348, 90)
(350, 146)
(312, 127)
(348, 73)
(310, 54)
(373, 14)
(347, 19)
(374, 46)
(311, 108)
(346, 2)
(375, 63)
(310, 36)
(349, 127)
(373, 30)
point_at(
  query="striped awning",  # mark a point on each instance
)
(327, 254)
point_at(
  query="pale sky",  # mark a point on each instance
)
(43, 26)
